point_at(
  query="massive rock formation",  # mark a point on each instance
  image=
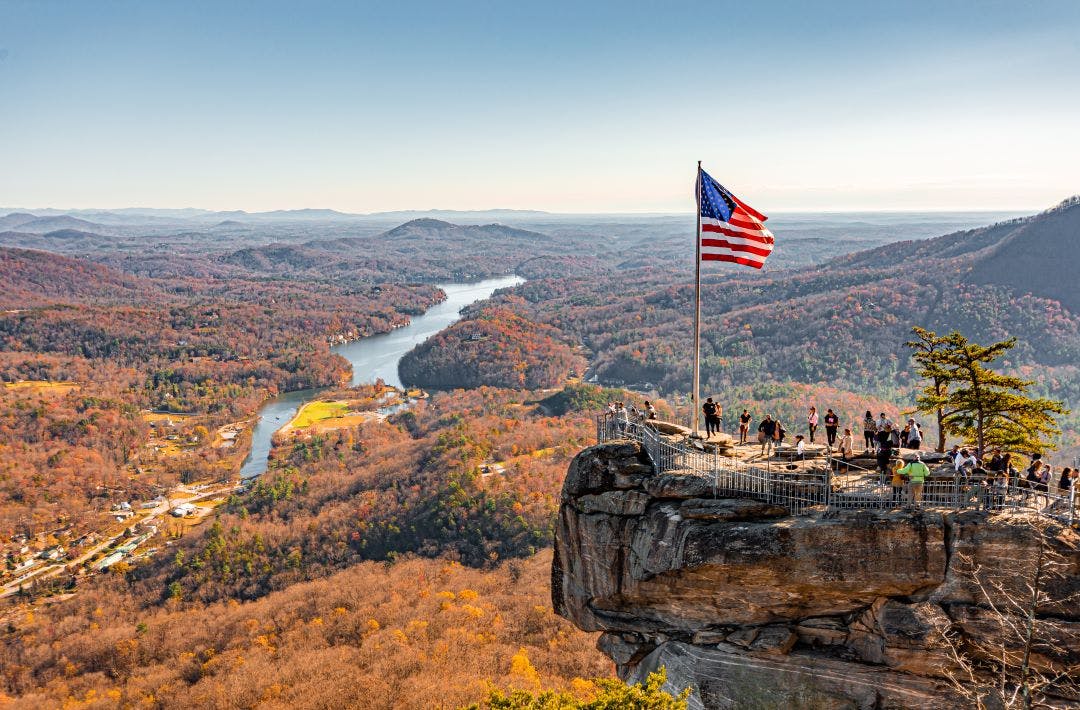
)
(755, 608)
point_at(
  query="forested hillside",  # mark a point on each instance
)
(496, 347)
(207, 347)
(469, 476)
(843, 322)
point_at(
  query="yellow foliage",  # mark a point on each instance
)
(467, 595)
(445, 594)
(582, 688)
(523, 672)
(473, 611)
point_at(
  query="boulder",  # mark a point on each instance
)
(680, 484)
(613, 502)
(733, 678)
(729, 509)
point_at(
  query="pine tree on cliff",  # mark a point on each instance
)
(926, 346)
(976, 403)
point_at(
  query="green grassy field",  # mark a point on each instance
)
(317, 411)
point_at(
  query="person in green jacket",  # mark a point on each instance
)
(916, 473)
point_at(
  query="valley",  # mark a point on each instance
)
(261, 387)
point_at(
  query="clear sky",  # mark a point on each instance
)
(576, 106)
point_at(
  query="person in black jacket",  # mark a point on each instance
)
(712, 417)
(766, 432)
(885, 447)
(832, 422)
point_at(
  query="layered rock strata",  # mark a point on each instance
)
(755, 608)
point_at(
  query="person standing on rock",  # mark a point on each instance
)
(917, 472)
(898, 482)
(712, 418)
(869, 432)
(847, 445)
(884, 451)
(914, 439)
(744, 426)
(766, 432)
(832, 422)
(781, 432)
(622, 418)
(1065, 482)
(812, 422)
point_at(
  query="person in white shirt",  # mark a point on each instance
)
(963, 459)
(914, 440)
(800, 447)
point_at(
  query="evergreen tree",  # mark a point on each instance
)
(974, 402)
(927, 345)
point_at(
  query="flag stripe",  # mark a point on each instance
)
(743, 220)
(732, 259)
(764, 237)
(734, 224)
(753, 213)
(736, 245)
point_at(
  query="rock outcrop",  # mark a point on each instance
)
(754, 607)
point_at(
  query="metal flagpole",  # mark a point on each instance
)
(697, 310)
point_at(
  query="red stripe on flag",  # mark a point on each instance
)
(713, 229)
(745, 222)
(732, 259)
(723, 243)
(753, 213)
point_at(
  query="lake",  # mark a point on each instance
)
(371, 358)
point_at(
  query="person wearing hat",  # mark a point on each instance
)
(916, 473)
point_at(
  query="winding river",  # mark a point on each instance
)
(371, 358)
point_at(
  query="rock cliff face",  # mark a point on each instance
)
(755, 608)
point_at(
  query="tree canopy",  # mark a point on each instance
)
(976, 403)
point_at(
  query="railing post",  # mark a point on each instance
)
(828, 484)
(1072, 504)
(716, 473)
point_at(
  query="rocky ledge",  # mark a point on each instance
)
(755, 608)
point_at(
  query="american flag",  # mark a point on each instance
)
(731, 230)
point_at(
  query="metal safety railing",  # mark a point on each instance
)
(853, 489)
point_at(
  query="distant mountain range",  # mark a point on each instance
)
(16, 217)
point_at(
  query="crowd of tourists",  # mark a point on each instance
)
(885, 441)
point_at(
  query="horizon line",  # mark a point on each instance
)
(5, 211)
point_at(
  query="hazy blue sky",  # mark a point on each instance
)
(560, 106)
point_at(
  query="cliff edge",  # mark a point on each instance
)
(753, 607)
